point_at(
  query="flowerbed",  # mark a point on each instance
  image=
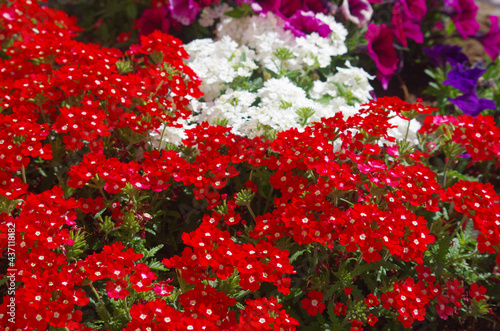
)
(245, 182)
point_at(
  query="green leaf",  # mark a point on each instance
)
(272, 73)
(157, 265)
(99, 213)
(131, 10)
(456, 174)
(240, 11)
(296, 255)
(444, 246)
(430, 73)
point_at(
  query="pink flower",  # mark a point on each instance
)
(357, 11)
(184, 11)
(382, 52)
(463, 14)
(302, 23)
(416, 9)
(154, 19)
(405, 26)
(491, 41)
(442, 309)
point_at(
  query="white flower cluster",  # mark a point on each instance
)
(219, 62)
(250, 45)
(351, 80)
(266, 33)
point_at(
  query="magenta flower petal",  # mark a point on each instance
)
(416, 9)
(405, 26)
(464, 16)
(357, 11)
(491, 41)
(287, 8)
(154, 19)
(381, 50)
(184, 11)
(302, 23)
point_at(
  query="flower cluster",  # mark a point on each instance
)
(284, 197)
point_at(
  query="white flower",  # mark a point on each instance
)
(218, 62)
(399, 132)
(351, 80)
(210, 14)
(170, 134)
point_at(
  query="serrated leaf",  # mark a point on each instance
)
(296, 255)
(333, 317)
(372, 285)
(461, 176)
(154, 250)
(150, 231)
(293, 74)
(362, 269)
(272, 73)
(444, 246)
(157, 265)
(336, 287)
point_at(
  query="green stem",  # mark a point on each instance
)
(463, 257)
(446, 172)
(459, 224)
(43, 115)
(127, 309)
(23, 174)
(349, 202)
(251, 211)
(103, 194)
(108, 318)
(161, 137)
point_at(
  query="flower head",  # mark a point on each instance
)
(464, 79)
(405, 26)
(471, 105)
(302, 23)
(357, 11)
(312, 304)
(154, 19)
(439, 55)
(491, 41)
(382, 52)
(463, 14)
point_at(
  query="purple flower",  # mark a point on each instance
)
(184, 11)
(154, 19)
(440, 54)
(382, 52)
(464, 79)
(405, 26)
(357, 11)
(471, 105)
(463, 13)
(491, 41)
(302, 23)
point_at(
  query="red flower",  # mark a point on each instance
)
(313, 304)
(477, 292)
(371, 320)
(118, 289)
(371, 300)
